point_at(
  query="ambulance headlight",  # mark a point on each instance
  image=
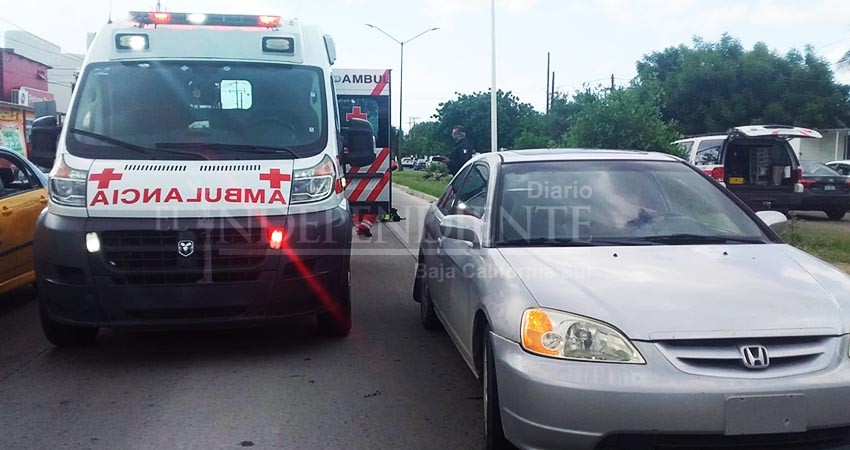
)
(314, 184)
(68, 186)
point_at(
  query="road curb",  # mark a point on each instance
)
(416, 193)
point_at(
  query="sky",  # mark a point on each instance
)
(589, 40)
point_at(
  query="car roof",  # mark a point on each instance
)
(576, 154)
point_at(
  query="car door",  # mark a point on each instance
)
(22, 197)
(432, 239)
(460, 258)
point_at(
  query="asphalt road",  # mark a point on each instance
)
(389, 385)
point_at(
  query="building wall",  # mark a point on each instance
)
(19, 71)
(65, 66)
(833, 146)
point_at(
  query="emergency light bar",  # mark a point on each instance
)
(227, 20)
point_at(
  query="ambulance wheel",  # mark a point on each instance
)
(337, 322)
(62, 335)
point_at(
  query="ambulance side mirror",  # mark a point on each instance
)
(44, 137)
(358, 140)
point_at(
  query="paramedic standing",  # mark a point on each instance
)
(462, 151)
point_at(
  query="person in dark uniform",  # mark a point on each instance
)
(462, 151)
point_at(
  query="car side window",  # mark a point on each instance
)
(15, 178)
(708, 152)
(472, 198)
(447, 201)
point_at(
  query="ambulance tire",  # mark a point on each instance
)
(337, 323)
(62, 335)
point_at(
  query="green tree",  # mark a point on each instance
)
(472, 111)
(424, 140)
(625, 118)
(713, 86)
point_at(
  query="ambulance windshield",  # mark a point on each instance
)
(207, 110)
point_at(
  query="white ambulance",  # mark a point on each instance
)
(198, 180)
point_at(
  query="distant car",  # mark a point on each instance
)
(755, 162)
(438, 159)
(621, 300)
(825, 190)
(408, 162)
(23, 195)
(420, 164)
(842, 167)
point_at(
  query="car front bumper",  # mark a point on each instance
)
(138, 279)
(556, 404)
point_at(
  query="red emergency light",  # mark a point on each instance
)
(160, 17)
(269, 21)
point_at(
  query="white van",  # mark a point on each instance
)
(198, 179)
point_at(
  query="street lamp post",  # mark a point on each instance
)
(401, 79)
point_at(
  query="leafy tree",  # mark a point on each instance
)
(713, 86)
(424, 140)
(472, 111)
(625, 118)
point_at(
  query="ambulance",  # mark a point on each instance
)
(198, 180)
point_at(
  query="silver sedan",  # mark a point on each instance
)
(612, 299)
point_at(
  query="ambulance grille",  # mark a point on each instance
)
(154, 168)
(232, 168)
(152, 252)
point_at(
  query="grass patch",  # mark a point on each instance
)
(831, 245)
(417, 182)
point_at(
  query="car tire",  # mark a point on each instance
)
(494, 434)
(835, 214)
(337, 323)
(427, 315)
(62, 335)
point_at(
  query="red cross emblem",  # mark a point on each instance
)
(356, 113)
(275, 178)
(105, 178)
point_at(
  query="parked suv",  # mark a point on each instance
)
(756, 163)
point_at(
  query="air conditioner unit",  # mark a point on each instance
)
(20, 97)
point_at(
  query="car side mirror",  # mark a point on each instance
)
(358, 140)
(44, 137)
(774, 219)
(462, 228)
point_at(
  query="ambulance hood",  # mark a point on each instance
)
(146, 189)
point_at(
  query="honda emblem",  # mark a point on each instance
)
(755, 357)
(186, 248)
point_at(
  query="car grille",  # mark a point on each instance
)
(152, 251)
(723, 357)
(834, 438)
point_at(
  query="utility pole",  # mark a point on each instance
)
(552, 92)
(613, 86)
(494, 96)
(158, 5)
(548, 75)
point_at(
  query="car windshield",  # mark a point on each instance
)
(210, 110)
(616, 203)
(818, 170)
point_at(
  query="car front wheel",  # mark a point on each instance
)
(494, 434)
(836, 214)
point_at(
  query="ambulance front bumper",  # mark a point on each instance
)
(140, 279)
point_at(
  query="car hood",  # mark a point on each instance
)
(690, 292)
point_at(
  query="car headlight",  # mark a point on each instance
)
(314, 184)
(67, 185)
(561, 335)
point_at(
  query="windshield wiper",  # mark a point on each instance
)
(111, 140)
(565, 242)
(256, 149)
(688, 239)
(129, 146)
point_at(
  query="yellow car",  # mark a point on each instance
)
(23, 195)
